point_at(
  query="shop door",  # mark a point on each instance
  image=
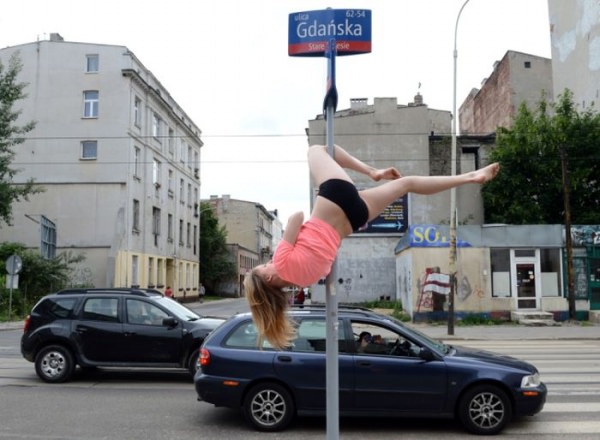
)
(527, 297)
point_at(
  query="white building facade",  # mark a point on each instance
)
(119, 160)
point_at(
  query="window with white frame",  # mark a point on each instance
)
(155, 224)
(181, 191)
(170, 183)
(136, 161)
(137, 112)
(189, 157)
(182, 151)
(195, 238)
(90, 104)
(92, 63)
(189, 195)
(188, 235)
(181, 232)
(156, 126)
(89, 150)
(156, 173)
(171, 141)
(135, 267)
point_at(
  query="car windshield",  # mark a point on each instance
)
(436, 344)
(177, 309)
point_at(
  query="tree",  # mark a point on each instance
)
(215, 262)
(11, 135)
(529, 187)
(39, 276)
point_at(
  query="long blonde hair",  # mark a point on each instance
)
(269, 305)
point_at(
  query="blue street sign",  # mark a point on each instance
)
(310, 32)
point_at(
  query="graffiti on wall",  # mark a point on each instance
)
(434, 299)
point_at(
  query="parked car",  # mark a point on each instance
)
(406, 373)
(111, 328)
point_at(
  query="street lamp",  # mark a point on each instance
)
(452, 265)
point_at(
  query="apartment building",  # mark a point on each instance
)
(119, 161)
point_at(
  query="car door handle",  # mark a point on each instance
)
(364, 364)
(284, 358)
(129, 333)
(81, 329)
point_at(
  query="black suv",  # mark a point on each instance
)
(111, 328)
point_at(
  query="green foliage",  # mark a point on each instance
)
(11, 135)
(215, 261)
(38, 277)
(529, 187)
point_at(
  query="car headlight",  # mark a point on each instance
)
(531, 381)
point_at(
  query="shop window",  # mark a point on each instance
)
(500, 261)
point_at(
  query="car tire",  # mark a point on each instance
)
(193, 362)
(269, 407)
(54, 364)
(485, 410)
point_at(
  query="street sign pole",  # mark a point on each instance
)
(329, 33)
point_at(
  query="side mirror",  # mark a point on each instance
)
(426, 354)
(170, 322)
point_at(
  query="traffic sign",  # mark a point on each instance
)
(311, 32)
(14, 264)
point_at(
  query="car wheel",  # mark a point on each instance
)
(54, 364)
(269, 407)
(485, 409)
(193, 362)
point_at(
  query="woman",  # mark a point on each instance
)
(308, 249)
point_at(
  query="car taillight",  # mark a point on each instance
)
(27, 322)
(204, 358)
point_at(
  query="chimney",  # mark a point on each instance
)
(358, 103)
(55, 36)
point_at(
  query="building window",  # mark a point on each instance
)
(195, 242)
(135, 267)
(181, 191)
(189, 157)
(156, 123)
(90, 104)
(92, 63)
(170, 228)
(155, 224)
(137, 112)
(189, 195)
(136, 215)
(170, 184)
(182, 151)
(136, 162)
(156, 173)
(171, 141)
(181, 232)
(527, 64)
(89, 149)
(188, 235)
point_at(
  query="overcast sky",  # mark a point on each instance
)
(226, 63)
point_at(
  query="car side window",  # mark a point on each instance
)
(311, 336)
(245, 336)
(142, 312)
(373, 339)
(58, 307)
(101, 309)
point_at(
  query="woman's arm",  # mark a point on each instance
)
(293, 227)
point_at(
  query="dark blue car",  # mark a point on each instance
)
(385, 369)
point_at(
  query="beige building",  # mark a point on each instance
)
(517, 78)
(575, 40)
(253, 233)
(413, 138)
(119, 160)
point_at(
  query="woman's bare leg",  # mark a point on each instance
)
(323, 166)
(379, 197)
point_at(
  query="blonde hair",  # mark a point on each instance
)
(269, 305)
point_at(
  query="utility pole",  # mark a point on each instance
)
(564, 159)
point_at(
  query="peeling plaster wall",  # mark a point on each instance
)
(575, 39)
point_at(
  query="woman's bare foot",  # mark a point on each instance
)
(486, 174)
(386, 173)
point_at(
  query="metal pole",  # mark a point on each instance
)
(568, 241)
(331, 300)
(452, 265)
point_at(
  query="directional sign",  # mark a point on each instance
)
(310, 32)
